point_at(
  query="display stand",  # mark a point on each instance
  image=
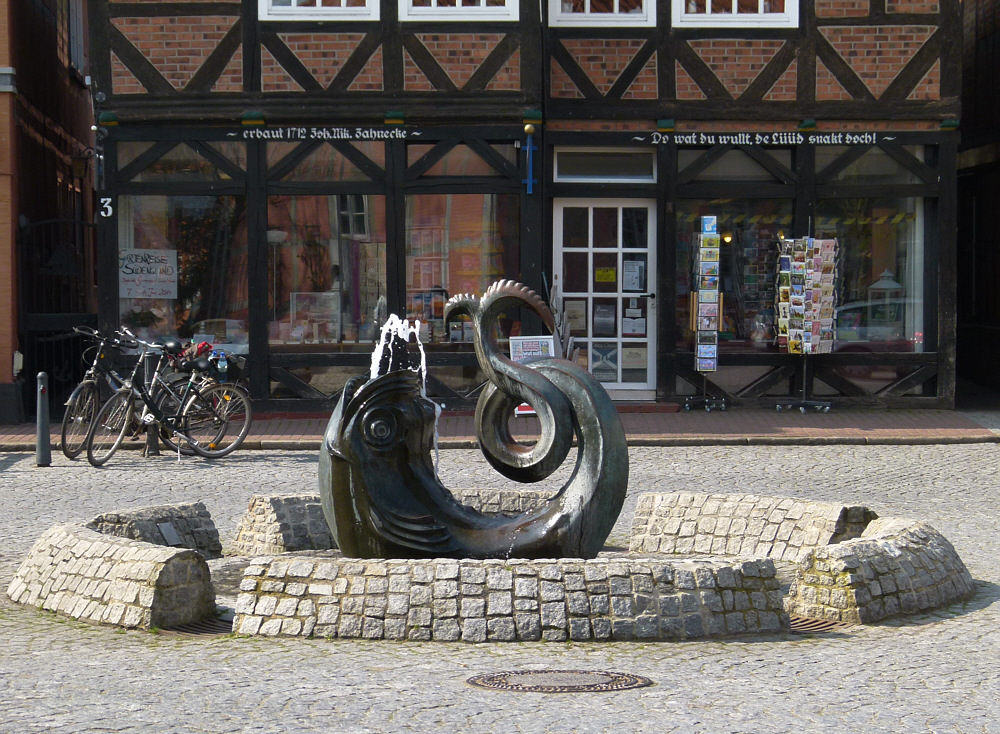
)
(805, 304)
(706, 309)
(805, 404)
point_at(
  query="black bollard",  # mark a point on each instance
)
(43, 451)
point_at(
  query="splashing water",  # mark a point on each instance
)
(396, 329)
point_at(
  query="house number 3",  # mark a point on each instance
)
(106, 209)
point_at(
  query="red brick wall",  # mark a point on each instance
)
(176, 46)
(841, 8)
(602, 60)
(913, 6)
(877, 55)
(736, 62)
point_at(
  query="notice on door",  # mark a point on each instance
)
(147, 274)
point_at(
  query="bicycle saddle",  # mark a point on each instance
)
(201, 364)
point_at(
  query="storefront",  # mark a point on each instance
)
(292, 244)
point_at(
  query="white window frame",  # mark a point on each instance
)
(510, 11)
(267, 11)
(556, 176)
(787, 19)
(557, 18)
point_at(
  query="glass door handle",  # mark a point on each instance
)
(651, 296)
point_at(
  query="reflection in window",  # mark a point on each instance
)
(708, 13)
(456, 243)
(326, 271)
(180, 164)
(875, 166)
(183, 267)
(880, 306)
(749, 230)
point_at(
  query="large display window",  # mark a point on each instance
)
(325, 272)
(749, 230)
(182, 267)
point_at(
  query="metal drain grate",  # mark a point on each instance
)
(559, 681)
(806, 626)
(206, 628)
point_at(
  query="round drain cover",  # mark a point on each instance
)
(559, 681)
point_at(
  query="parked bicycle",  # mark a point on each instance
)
(208, 418)
(85, 400)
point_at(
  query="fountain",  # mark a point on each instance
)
(380, 492)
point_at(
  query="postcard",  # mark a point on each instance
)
(708, 350)
(708, 309)
(707, 365)
(708, 337)
(709, 268)
(783, 310)
(798, 268)
(784, 278)
(710, 254)
(798, 279)
(785, 262)
(709, 282)
(782, 327)
(708, 296)
(710, 224)
(784, 294)
(794, 346)
(795, 323)
(706, 323)
(709, 240)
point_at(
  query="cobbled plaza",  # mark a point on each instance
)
(931, 673)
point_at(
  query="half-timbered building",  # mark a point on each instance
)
(279, 175)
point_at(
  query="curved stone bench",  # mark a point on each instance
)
(513, 600)
(85, 575)
(290, 523)
(186, 525)
(743, 525)
(896, 567)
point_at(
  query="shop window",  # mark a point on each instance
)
(318, 9)
(694, 164)
(602, 13)
(182, 267)
(448, 10)
(456, 243)
(749, 230)
(880, 304)
(180, 164)
(602, 164)
(736, 13)
(361, 162)
(326, 272)
(842, 164)
(461, 160)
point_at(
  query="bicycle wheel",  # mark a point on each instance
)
(218, 420)
(169, 404)
(109, 428)
(81, 409)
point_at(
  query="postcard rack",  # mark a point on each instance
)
(805, 403)
(704, 400)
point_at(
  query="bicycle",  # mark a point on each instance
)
(85, 401)
(201, 418)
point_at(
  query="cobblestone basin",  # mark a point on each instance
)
(928, 673)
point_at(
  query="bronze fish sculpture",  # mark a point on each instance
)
(379, 489)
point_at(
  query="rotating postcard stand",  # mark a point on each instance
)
(805, 298)
(706, 314)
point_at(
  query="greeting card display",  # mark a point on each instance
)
(806, 295)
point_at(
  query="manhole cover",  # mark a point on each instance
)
(559, 681)
(206, 628)
(806, 626)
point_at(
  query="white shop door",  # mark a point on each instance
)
(605, 270)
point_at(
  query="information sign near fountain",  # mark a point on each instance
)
(378, 485)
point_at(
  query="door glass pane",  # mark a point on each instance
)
(575, 272)
(326, 272)
(635, 274)
(635, 227)
(605, 277)
(575, 227)
(605, 317)
(605, 227)
(635, 359)
(183, 268)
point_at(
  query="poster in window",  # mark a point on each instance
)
(576, 316)
(605, 317)
(633, 275)
(146, 273)
(315, 317)
(604, 362)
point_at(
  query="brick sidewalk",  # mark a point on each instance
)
(739, 426)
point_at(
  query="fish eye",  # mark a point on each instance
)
(380, 427)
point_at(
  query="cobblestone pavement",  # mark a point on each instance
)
(935, 673)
